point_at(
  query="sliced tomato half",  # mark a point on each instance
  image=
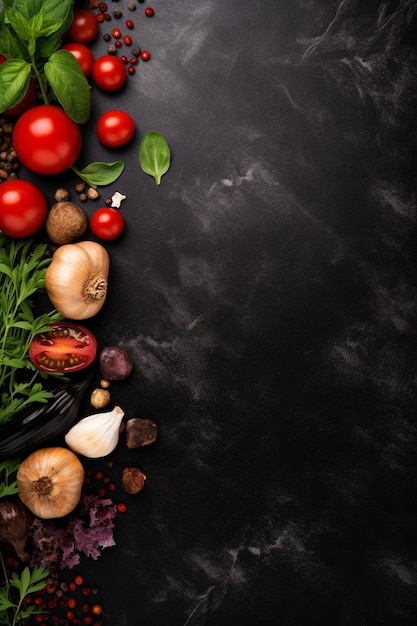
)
(66, 347)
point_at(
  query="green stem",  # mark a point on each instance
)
(40, 81)
(84, 178)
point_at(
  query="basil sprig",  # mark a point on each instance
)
(154, 155)
(100, 173)
(30, 38)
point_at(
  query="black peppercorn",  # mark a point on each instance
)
(106, 37)
(111, 49)
(117, 13)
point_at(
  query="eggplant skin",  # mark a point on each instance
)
(29, 430)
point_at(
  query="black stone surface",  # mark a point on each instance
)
(266, 291)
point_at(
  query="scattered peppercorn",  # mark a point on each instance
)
(136, 51)
(131, 6)
(100, 17)
(118, 43)
(9, 163)
(117, 13)
(116, 33)
(145, 55)
(149, 12)
(102, 7)
(106, 37)
(129, 24)
(127, 40)
(124, 59)
(131, 70)
(111, 49)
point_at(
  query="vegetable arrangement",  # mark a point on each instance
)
(44, 88)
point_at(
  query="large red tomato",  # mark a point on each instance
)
(23, 208)
(83, 55)
(46, 140)
(115, 128)
(109, 73)
(66, 347)
(84, 27)
(29, 99)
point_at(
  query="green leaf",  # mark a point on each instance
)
(14, 81)
(69, 84)
(99, 173)
(154, 155)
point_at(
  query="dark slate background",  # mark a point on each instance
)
(267, 294)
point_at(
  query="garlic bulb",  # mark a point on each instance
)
(76, 279)
(96, 435)
(50, 482)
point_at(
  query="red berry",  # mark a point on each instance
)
(116, 33)
(118, 43)
(145, 55)
(129, 24)
(149, 12)
(127, 40)
(121, 507)
(133, 60)
(131, 70)
(102, 7)
(100, 17)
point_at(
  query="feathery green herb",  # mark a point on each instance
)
(22, 274)
(13, 610)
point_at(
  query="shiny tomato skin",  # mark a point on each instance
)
(67, 347)
(109, 73)
(23, 208)
(115, 128)
(82, 54)
(107, 223)
(46, 140)
(29, 99)
(84, 27)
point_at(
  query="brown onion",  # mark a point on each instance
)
(15, 523)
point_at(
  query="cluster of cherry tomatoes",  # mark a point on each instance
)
(48, 142)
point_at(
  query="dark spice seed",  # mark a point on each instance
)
(106, 37)
(111, 49)
(117, 13)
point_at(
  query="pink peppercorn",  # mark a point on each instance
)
(145, 55)
(149, 12)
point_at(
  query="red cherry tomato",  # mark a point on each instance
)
(23, 208)
(107, 223)
(29, 99)
(115, 128)
(66, 347)
(109, 73)
(83, 55)
(84, 26)
(46, 140)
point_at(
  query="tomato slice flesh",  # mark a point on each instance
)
(66, 347)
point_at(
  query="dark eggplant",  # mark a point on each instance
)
(34, 428)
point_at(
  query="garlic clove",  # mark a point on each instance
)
(97, 435)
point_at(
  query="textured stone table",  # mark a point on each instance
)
(266, 291)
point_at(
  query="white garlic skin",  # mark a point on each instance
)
(97, 435)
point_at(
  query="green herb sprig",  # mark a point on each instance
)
(30, 38)
(154, 155)
(22, 274)
(13, 610)
(8, 482)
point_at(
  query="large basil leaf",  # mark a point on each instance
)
(154, 155)
(100, 173)
(14, 78)
(10, 45)
(69, 84)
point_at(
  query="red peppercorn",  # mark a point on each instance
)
(70, 614)
(129, 24)
(72, 603)
(96, 609)
(127, 39)
(102, 7)
(107, 17)
(145, 55)
(102, 492)
(38, 601)
(86, 591)
(99, 475)
(149, 12)
(85, 607)
(100, 17)
(131, 70)
(116, 33)
(88, 619)
(78, 580)
(121, 507)
(112, 486)
(118, 43)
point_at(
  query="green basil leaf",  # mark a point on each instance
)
(23, 7)
(57, 16)
(154, 155)
(10, 45)
(69, 84)
(99, 173)
(20, 24)
(14, 81)
(45, 46)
